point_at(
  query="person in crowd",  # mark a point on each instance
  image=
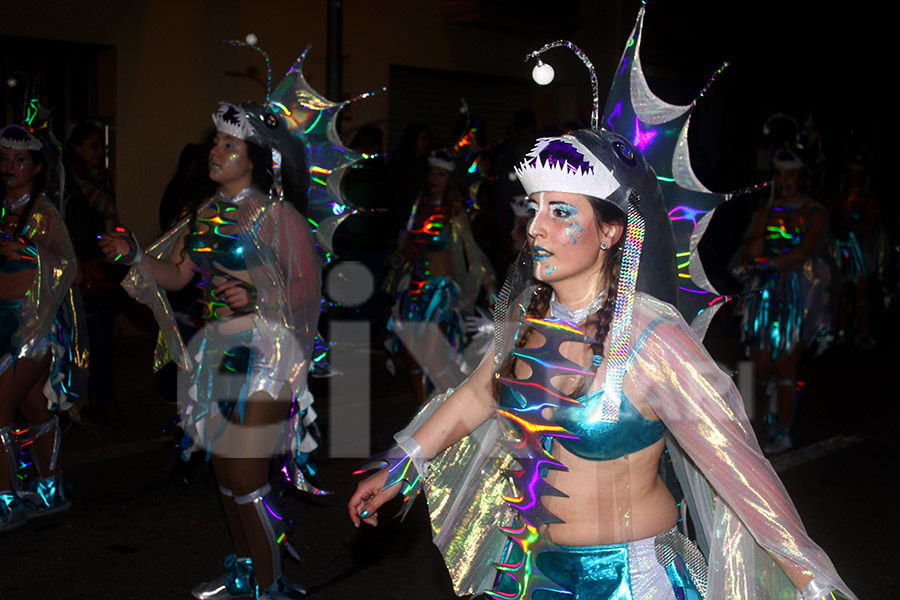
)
(259, 278)
(90, 212)
(789, 307)
(443, 271)
(38, 335)
(858, 250)
(587, 375)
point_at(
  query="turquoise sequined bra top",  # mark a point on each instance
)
(576, 430)
(434, 235)
(594, 439)
(7, 224)
(597, 440)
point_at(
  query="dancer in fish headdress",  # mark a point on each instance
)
(43, 358)
(258, 246)
(593, 375)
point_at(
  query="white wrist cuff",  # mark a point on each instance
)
(416, 455)
(815, 590)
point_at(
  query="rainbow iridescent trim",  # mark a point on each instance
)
(621, 326)
(523, 400)
(401, 469)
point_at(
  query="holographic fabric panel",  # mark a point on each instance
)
(749, 519)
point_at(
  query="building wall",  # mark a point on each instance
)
(171, 68)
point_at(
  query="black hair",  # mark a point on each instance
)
(80, 134)
(407, 145)
(367, 139)
(261, 159)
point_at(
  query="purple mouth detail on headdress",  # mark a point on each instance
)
(231, 116)
(16, 134)
(558, 152)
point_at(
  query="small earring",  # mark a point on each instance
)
(604, 245)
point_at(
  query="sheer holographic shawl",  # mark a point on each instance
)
(283, 266)
(50, 289)
(742, 512)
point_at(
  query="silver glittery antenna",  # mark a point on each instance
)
(250, 42)
(543, 73)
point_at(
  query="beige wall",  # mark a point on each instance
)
(171, 68)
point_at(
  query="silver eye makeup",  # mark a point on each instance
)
(562, 211)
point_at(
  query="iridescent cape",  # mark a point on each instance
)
(741, 510)
(284, 268)
(50, 295)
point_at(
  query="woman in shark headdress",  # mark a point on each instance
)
(593, 375)
(259, 275)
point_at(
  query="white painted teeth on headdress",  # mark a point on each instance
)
(539, 176)
(238, 128)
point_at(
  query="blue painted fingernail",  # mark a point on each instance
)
(364, 514)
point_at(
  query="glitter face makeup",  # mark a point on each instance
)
(564, 237)
(229, 165)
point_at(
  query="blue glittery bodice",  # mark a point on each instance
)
(14, 266)
(597, 440)
(785, 228)
(434, 235)
(585, 434)
(8, 219)
(606, 441)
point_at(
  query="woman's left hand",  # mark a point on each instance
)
(236, 294)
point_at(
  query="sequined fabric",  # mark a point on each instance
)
(428, 315)
(743, 512)
(283, 266)
(629, 571)
(55, 272)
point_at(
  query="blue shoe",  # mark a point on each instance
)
(47, 496)
(238, 581)
(779, 442)
(12, 512)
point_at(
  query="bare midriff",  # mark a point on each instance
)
(610, 501)
(14, 286)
